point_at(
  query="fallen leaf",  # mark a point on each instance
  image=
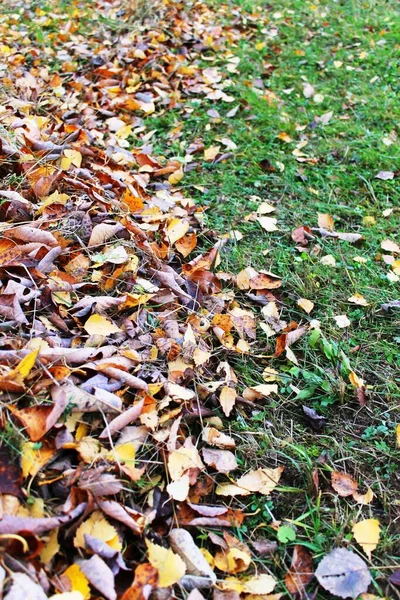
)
(328, 260)
(305, 304)
(343, 574)
(390, 246)
(366, 533)
(98, 325)
(170, 566)
(342, 321)
(343, 483)
(301, 571)
(262, 481)
(22, 586)
(268, 223)
(211, 153)
(223, 461)
(98, 527)
(99, 576)
(326, 221)
(182, 543)
(358, 299)
(385, 175)
(78, 581)
(176, 230)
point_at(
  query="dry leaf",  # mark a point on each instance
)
(183, 544)
(98, 325)
(390, 246)
(326, 221)
(211, 153)
(301, 571)
(305, 304)
(182, 460)
(268, 223)
(176, 229)
(262, 481)
(223, 461)
(98, 527)
(227, 399)
(343, 574)
(358, 299)
(170, 566)
(343, 484)
(342, 321)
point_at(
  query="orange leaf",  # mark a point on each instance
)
(343, 484)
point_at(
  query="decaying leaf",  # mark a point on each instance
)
(301, 571)
(343, 484)
(343, 573)
(262, 481)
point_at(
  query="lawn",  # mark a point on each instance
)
(304, 147)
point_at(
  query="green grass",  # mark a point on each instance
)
(362, 94)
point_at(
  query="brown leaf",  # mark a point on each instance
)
(302, 235)
(27, 233)
(38, 420)
(99, 576)
(301, 571)
(125, 418)
(12, 524)
(10, 474)
(343, 483)
(145, 575)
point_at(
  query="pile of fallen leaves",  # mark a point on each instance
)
(118, 331)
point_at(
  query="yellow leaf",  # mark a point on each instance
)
(79, 581)
(211, 152)
(285, 137)
(71, 157)
(124, 453)
(369, 221)
(305, 304)
(227, 399)
(326, 221)
(364, 498)
(366, 533)
(33, 460)
(358, 299)
(176, 230)
(398, 435)
(260, 584)
(23, 369)
(266, 389)
(50, 548)
(355, 380)
(99, 325)
(67, 596)
(170, 566)
(396, 267)
(262, 481)
(97, 526)
(54, 198)
(183, 459)
(176, 176)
